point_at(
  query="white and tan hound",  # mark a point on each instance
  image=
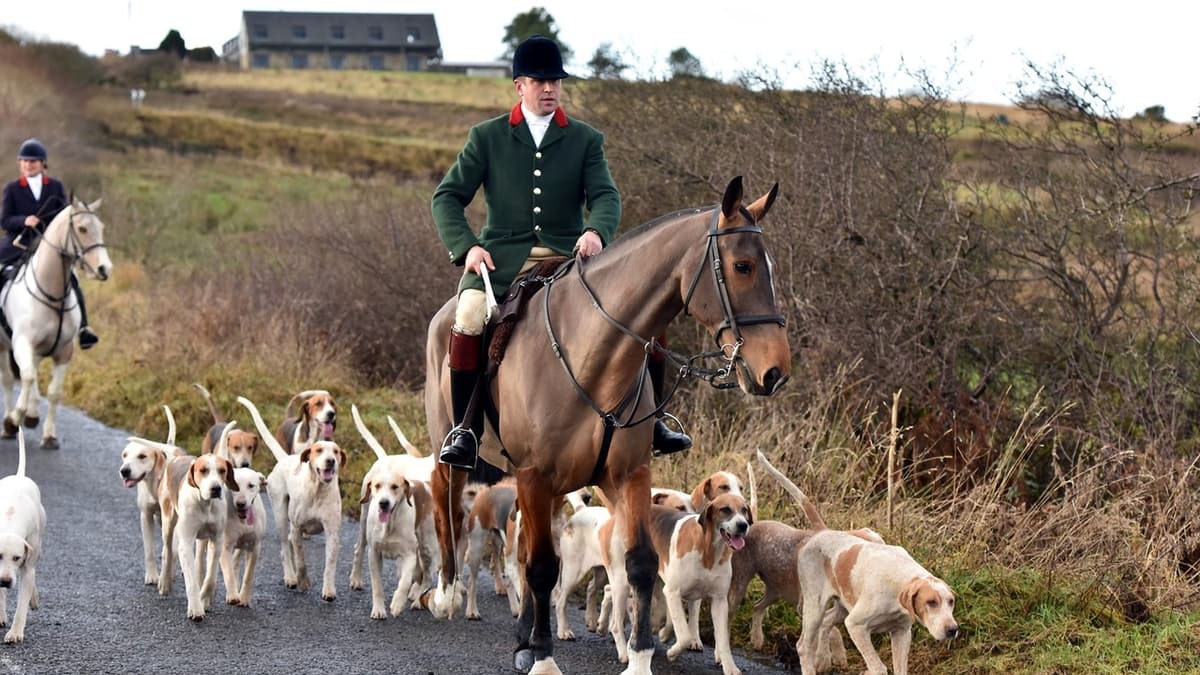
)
(305, 499)
(142, 467)
(245, 528)
(316, 421)
(240, 445)
(485, 534)
(22, 523)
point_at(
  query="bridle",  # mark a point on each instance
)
(73, 252)
(729, 352)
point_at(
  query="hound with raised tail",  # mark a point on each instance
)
(142, 467)
(485, 533)
(240, 445)
(305, 498)
(192, 496)
(245, 528)
(22, 522)
(771, 553)
(694, 564)
(316, 421)
(389, 518)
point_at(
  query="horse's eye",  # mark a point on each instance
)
(743, 267)
(83, 229)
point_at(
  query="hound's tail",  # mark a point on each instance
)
(218, 418)
(263, 432)
(287, 412)
(753, 487)
(170, 424)
(810, 510)
(408, 446)
(222, 449)
(21, 449)
(366, 433)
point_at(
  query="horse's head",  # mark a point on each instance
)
(736, 300)
(87, 239)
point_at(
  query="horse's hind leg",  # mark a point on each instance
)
(6, 381)
(535, 645)
(58, 378)
(27, 369)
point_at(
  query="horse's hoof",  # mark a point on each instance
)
(523, 660)
(31, 422)
(50, 443)
(10, 428)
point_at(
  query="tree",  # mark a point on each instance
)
(684, 64)
(536, 21)
(173, 44)
(606, 63)
(1155, 113)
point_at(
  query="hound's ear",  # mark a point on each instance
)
(659, 498)
(366, 498)
(253, 444)
(160, 460)
(908, 597)
(230, 479)
(191, 479)
(749, 516)
(706, 516)
(708, 489)
(341, 456)
(762, 205)
(304, 455)
(408, 490)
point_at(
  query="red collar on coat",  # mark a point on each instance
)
(24, 182)
(518, 115)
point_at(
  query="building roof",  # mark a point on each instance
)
(415, 31)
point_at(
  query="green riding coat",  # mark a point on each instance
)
(536, 196)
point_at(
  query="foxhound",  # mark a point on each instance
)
(873, 588)
(245, 528)
(192, 496)
(579, 549)
(316, 420)
(305, 499)
(240, 445)
(22, 522)
(720, 483)
(142, 467)
(389, 517)
(485, 533)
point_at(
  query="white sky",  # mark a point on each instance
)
(1146, 52)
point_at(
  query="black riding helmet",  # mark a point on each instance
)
(538, 57)
(32, 149)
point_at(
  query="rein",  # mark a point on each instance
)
(729, 352)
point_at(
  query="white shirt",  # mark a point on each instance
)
(35, 185)
(537, 124)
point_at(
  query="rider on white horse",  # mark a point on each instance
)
(30, 203)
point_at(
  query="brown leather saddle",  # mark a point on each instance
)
(512, 307)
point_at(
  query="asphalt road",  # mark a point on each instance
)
(96, 616)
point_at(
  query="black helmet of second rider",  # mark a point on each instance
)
(32, 148)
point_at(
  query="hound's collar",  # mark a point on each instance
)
(24, 182)
(517, 116)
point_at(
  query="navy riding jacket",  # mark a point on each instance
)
(19, 203)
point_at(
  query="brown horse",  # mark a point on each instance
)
(575, 407)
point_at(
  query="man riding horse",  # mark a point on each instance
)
(539, 169)
(29, 204)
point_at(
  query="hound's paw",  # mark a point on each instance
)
(675, 650)
(291, 582)
(328, 596)
(398, 606)
(356, 584)
(732, 670)
(196, 615)
(697, 646)
(13, 637)
(151, 579)
(473, 615)
(232, 600)
(566, 634)
(377, 612)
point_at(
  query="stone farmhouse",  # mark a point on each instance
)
(332, 40)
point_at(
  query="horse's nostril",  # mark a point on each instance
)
(772, 379)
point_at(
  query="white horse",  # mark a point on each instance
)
(43, 314)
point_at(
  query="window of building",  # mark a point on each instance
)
(299, 60)
(375, 62)
(412, 35)
(260, 30)
(337, 32)
(414, 62)
(299, 32)
(260, 60)
(337, 61)
(375, 33)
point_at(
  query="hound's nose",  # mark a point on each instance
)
(6, 582)
(951, 632)
(773, 379)
(125, 472)
(215, 492)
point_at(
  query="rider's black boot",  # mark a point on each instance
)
(87, 339)
(466, 361)
(666, 441)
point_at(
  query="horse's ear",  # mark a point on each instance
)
(95, 205)
(762, 205)
(731, 201)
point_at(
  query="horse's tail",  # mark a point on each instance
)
(21, 450)
(408, 446)
(366, 433)
(810, 510)
(218, 418)
(263, 432)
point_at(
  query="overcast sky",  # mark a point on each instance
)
(1148, 53)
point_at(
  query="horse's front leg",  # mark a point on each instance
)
(447, 486)
(58, 377)
(535, 645)
(7, 379)
(641, 567)
(22, 353)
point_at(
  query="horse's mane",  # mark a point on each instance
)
(624, 239)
